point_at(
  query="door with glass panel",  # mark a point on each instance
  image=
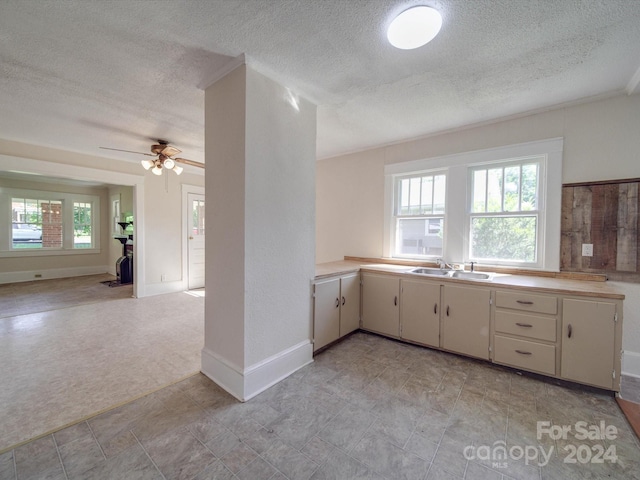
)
(195, 237)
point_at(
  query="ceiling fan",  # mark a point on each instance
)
(165, 158)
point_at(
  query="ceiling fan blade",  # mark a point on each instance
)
(129, 151)
(170, 151)
(186, 161)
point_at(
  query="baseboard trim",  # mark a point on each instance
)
(163, 288)
(224, 373)
(52, 273)
(244, 385)
(631, 364)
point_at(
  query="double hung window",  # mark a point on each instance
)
(492, 206)
(48, 223)
(504, 212)
(420, 214)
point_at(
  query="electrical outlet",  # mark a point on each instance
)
(163, 278)
(587, 249)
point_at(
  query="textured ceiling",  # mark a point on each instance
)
(81, 74)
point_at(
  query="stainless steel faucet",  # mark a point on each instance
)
(442, 264)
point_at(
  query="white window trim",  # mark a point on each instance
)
(540, 212)
(456, 165)
(68, 199)
(396, 193)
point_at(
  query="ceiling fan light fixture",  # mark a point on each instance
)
(157, 170)
(169, 163)
(147, 164)
(414, 27)
(177, 169)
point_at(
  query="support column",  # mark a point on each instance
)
(260, 232)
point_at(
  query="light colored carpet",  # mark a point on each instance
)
(59, 366)
(44, 295)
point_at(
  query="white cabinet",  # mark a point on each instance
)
(336, 309)
(466, 319)
(420, 312)
(349, 304)
(380, 304)
(589, 343)
(526, 331)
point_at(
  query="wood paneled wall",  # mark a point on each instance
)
(604, 214)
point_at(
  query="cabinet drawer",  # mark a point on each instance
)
(526, 301)
(524, 354)
(532, 326)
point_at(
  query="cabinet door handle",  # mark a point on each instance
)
(343, 301)
(435, 308)
(569, 331)
(395, 301)
(337, 302)
(526, 325)
(524, 302)
(447, 310)
(522, 352)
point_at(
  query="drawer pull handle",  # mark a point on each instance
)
(337, 302)
(435, 308)
(395, 301)
(526, 325)
(524, 302)
(447, 310)
(343, 301)
(522, 352)
(569, 331)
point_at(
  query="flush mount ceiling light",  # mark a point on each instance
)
(165, 158)
(414, 27)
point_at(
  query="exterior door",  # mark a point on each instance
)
(195, 237)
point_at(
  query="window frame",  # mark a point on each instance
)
(68, 200)
(457, 227)
(539, 213)
(419, 216)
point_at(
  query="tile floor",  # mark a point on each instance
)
(367, 408)
(63, 365)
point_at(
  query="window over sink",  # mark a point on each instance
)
(419, 215)
(487, 206)
(504, 212)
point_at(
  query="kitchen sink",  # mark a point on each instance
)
(441, 272)
(471, 275)
(431, 271)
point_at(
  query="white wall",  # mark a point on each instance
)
(260, 150)
(280, 215)
(159, 243)
(601, 142)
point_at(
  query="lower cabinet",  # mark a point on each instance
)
(380, 304)
(561, 335)
(336, 309)
(349, 304)
(526, 327)
(466, 320)
(589, 343)
(420, 312)
(525, 354)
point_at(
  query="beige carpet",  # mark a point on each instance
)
(44, 295)
(60, 366)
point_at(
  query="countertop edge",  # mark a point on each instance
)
(554, 286)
